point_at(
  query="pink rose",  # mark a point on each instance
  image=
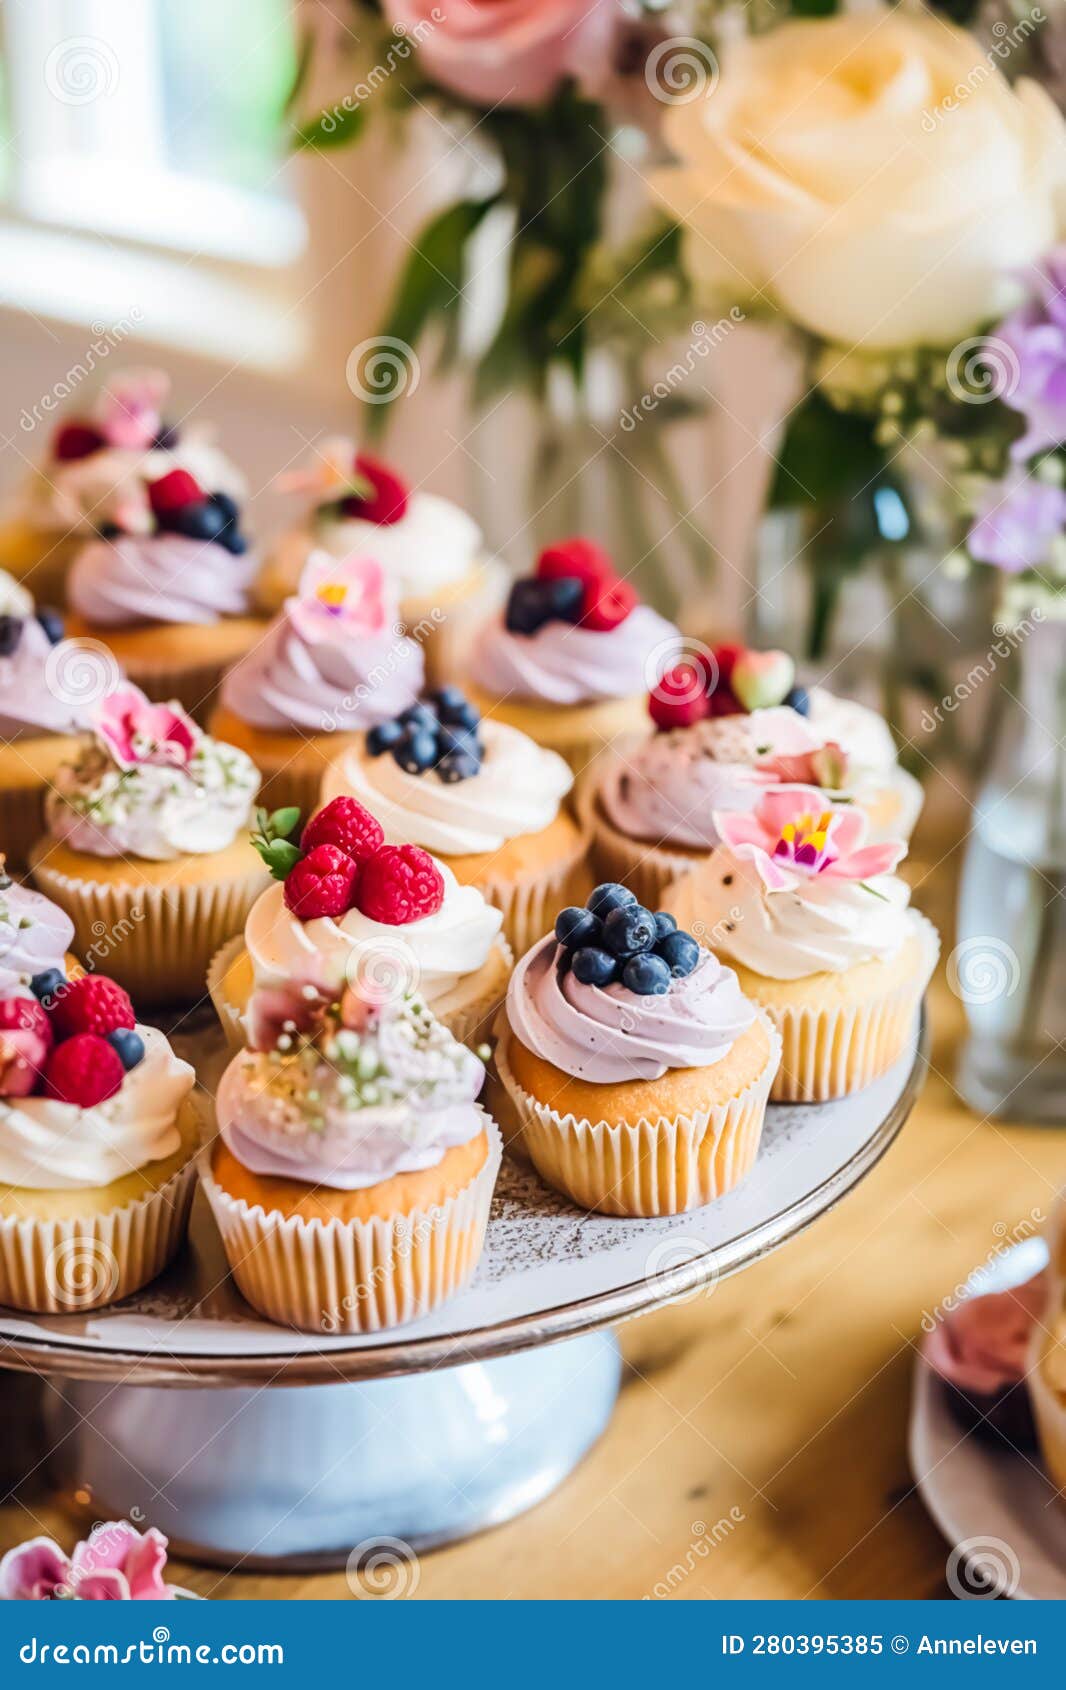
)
(117, 1563)
(509, 52)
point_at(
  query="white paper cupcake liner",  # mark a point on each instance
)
(1049, 1405)
(338, 1276)
(531, 904)
(79, 1263)
(663, 1166)
(828, 1053)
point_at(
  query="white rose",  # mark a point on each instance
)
(874, 176)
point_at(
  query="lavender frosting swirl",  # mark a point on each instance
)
(159, 578)
(35, 935)
(564, 664)
(324, 686)
(607, 1034)
(38, 691)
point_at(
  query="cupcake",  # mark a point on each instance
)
(818, 930)
(979, 1351)
(348, 909)
(571, 656)
(331, 665)
(98, 1134)
(432, 553)
(47, 684)
(353, 1172)
(35, 940)
(638, 1070)
(97, 462)
(481, 797)
(147, 847)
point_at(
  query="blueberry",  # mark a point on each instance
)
(448, 701)
(416, 752)
(47, 984)
(52, 622)
(419, 716)
(528, 607)
(460, 715)
(566, 597)
(10, 635)
(202, 521)
(457, 765)
(130, 1046)
(576, 927)
(609, 896)
(233, 541)
(109, 531)
(680, 952)
(646, 974)
(380, 738)
(629, 930)
(459, 739)
(167, 438)
(593, 967)
(664, 924)
(799, 701)
(229, 507)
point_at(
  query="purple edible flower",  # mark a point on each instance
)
(1017, 522)
(1035, 337)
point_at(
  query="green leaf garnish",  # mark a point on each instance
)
(271, 839)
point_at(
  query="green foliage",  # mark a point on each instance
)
(826, 454)
(272, 839)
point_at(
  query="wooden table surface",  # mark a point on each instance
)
(759, 1444)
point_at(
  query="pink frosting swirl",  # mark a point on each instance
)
(159, 578)
(323, 685)
(33, 696)
(606, 1033)
(564, 664)
(981, 1347)
(35, 935)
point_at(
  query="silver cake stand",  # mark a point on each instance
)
(250, 1444)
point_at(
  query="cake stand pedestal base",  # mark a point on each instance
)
(289, 1477)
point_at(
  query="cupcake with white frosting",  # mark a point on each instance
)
(819, 931)
(348, 908)
(98, 1131)
(147, 845)
(571, 657)
(333, 663)
(36, 937)
(638, 1069)
(353, 1173)
(432, 552)
(481, 796)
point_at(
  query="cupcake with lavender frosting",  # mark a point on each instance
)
(572, 655)
(354, 1169)
(638, 1069)
(35, 936)
(332, 664)
(147, 845)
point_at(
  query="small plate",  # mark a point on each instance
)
(993, 1504)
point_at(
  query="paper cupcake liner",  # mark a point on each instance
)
(157, 941)
(79, 1263)
(1049, 1406)
(354, 1276)
(646, 869)
(531, 904)
(21, 822)
(470, 1021)
(647, 1167)
(828, 1053)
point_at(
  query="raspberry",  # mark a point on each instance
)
(25, 1040)
(346, 824)
(388, 501)
(725, 657)
(75, 440)
(173, 491)
(723, 703)
(608, 605)
(679, 699)
(91, 1004)
(401, 884)
(83, 1070)
(584, 559)
(322, 883)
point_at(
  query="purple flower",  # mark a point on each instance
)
(1017, 522)
(1035, 339)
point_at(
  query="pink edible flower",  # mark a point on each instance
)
(137, 731)
(130, 411)
(339, 597)
(116, 1564)
(329, 475)
(34, 1572)
(793, 834)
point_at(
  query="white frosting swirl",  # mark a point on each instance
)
(431, 954)
(859, 731)
(51, 1146)
(824, 924)
(518, 790)
(72, 496)
(434, 543)
(35, 935)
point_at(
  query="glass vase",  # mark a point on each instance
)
(1009, 965)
